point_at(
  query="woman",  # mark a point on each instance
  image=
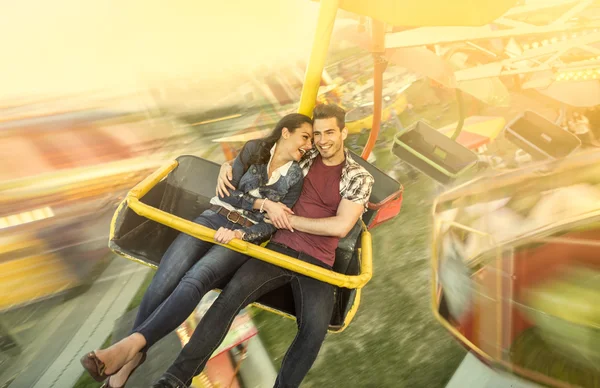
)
(268, 179)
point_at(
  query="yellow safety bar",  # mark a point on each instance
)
(258, 252)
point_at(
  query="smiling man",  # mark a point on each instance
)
(334, 196)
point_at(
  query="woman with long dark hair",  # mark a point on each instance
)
(269, 180)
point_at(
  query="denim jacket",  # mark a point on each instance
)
(246, 178)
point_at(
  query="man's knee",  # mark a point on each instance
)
(315, 329)
(241, 291)
(235, 293)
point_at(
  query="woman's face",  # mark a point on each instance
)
(296, 144)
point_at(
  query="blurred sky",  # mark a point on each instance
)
(69, 46)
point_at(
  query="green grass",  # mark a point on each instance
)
(394, 340)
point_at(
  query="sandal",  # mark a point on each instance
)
(107, 383)
(94, 366)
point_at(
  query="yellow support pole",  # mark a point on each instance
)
(314, 70)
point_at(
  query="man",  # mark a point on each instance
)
(334, 196)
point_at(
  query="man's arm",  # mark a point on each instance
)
(340, 225)
(351, 207)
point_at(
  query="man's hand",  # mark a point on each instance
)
(224, 235)
(278, 214)
(224, 180)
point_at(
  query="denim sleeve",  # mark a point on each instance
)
(296, 188)
(238, 198)
(261, 232)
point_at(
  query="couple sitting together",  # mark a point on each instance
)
(301, 198)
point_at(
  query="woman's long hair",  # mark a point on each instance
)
(292, 122)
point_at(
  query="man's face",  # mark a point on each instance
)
(328, 138)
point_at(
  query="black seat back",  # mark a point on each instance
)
(541, 138)
(383, 188)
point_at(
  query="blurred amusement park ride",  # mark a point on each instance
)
(515, 247)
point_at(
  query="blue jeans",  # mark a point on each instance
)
(188, 270)
(313, 300)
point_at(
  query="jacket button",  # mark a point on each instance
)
(254, 170)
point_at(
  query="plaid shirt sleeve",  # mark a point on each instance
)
(359, 187)
(356, 182)
(307, 160)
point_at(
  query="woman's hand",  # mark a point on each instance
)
(224, 180)
(278, 214)
(224, 235)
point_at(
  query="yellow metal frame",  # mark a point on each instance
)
(435, 301)
(316, 63)
(201, 232)
(531, 237)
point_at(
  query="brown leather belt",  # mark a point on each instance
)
(232, 216)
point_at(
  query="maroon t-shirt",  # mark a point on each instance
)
(320, 198)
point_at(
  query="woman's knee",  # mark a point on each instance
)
(166, 279)
(199, 286)
(162, 285)
(180, 255)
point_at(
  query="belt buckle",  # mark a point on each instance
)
(234, 212)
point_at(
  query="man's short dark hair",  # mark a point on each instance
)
(326, 111)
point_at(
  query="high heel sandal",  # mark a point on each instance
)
(107, 382)
(94, 366)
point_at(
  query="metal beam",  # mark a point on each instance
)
(558, 46)
(511, 65)
(538, 7)
(549, 57)
(447, 35)
(494, 70)
(573, 12)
